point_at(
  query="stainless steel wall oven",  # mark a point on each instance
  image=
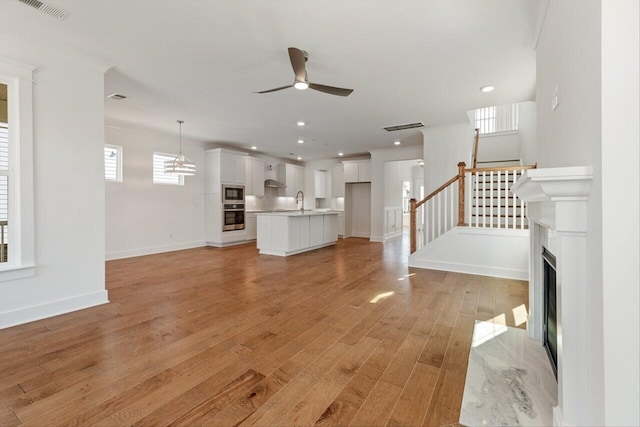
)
(232, 216)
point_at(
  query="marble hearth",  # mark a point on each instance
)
(557, 213)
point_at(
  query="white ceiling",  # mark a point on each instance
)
(201, 61)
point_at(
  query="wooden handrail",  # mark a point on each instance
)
(501, 168)
(475, 148)
(435, 192)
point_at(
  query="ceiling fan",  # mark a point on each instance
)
(298, 58)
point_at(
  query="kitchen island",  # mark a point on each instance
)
(290, 233)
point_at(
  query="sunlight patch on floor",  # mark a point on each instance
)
(381, 296)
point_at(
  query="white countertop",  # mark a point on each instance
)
(296, 213)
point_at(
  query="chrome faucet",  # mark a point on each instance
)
(302, 201)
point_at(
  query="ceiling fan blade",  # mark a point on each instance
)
(298, 58)
(276, 89)
(331, 89)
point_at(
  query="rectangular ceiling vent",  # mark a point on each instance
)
(46, 8)
(403, 127)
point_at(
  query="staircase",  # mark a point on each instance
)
(473, 223)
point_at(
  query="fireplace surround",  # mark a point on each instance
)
(557, 213)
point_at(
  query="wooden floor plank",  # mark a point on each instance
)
(223, 336)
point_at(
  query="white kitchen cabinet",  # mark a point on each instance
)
(329, 229)
(321, 184)
(223, 166)
(337, 181)
(316, 230)
(364, 172)
(293, 177)
(357, 171)
(254, 176)
(341, 224)
(251, 225)
(289, 233)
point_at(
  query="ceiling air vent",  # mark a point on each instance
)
(117, 96)
(46, 8)
(403, 127)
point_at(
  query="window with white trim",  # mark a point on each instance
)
(17, 241)
(112, 163)
(159, 177)
(501, 118)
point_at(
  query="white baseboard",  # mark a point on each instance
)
(153, 250)
(392, 235)
(376, 239)
(52, 308)
(361, 234)
(479, 270)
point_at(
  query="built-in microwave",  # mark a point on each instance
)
(233, 194)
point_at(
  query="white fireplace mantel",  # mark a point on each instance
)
(557, 206)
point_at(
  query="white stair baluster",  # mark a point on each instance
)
(439, 213)
(484, 199)
(491, 199)
(499, 201)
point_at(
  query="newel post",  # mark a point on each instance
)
(412, 225)
(461, 167)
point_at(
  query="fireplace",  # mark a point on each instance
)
(550, 330)
(557, 206)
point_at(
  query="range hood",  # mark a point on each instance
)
(272, 183)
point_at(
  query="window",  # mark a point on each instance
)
(159, 177)
(112, 163)
(501, 118)
(17, 248)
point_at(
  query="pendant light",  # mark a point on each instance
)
(180, 165)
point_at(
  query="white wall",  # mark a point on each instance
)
(590, 53)
(378, 159)
(68, 103)
(444, 147)
(620, 213)
(142, 217)
(527, 133)
(499, 146)
(457, 250)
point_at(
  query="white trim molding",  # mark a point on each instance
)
(557, 213)
(52, 308)
(130, 253)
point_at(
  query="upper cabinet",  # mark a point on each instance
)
(357, 171)
(223, 167)
(254, 176)
(337, 181)
(321, 184)
(293, 177)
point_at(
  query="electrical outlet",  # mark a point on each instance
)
(554, 99)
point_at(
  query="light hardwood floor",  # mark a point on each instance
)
(346, 335)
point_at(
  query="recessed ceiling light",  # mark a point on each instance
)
(301, 85)
(396, 143)
(301, 123)
(299, 158)
(487, 89)
(253, 147)
(301, 141)
(341, 154)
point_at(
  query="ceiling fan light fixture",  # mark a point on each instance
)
(180, 165)
(301, 85)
